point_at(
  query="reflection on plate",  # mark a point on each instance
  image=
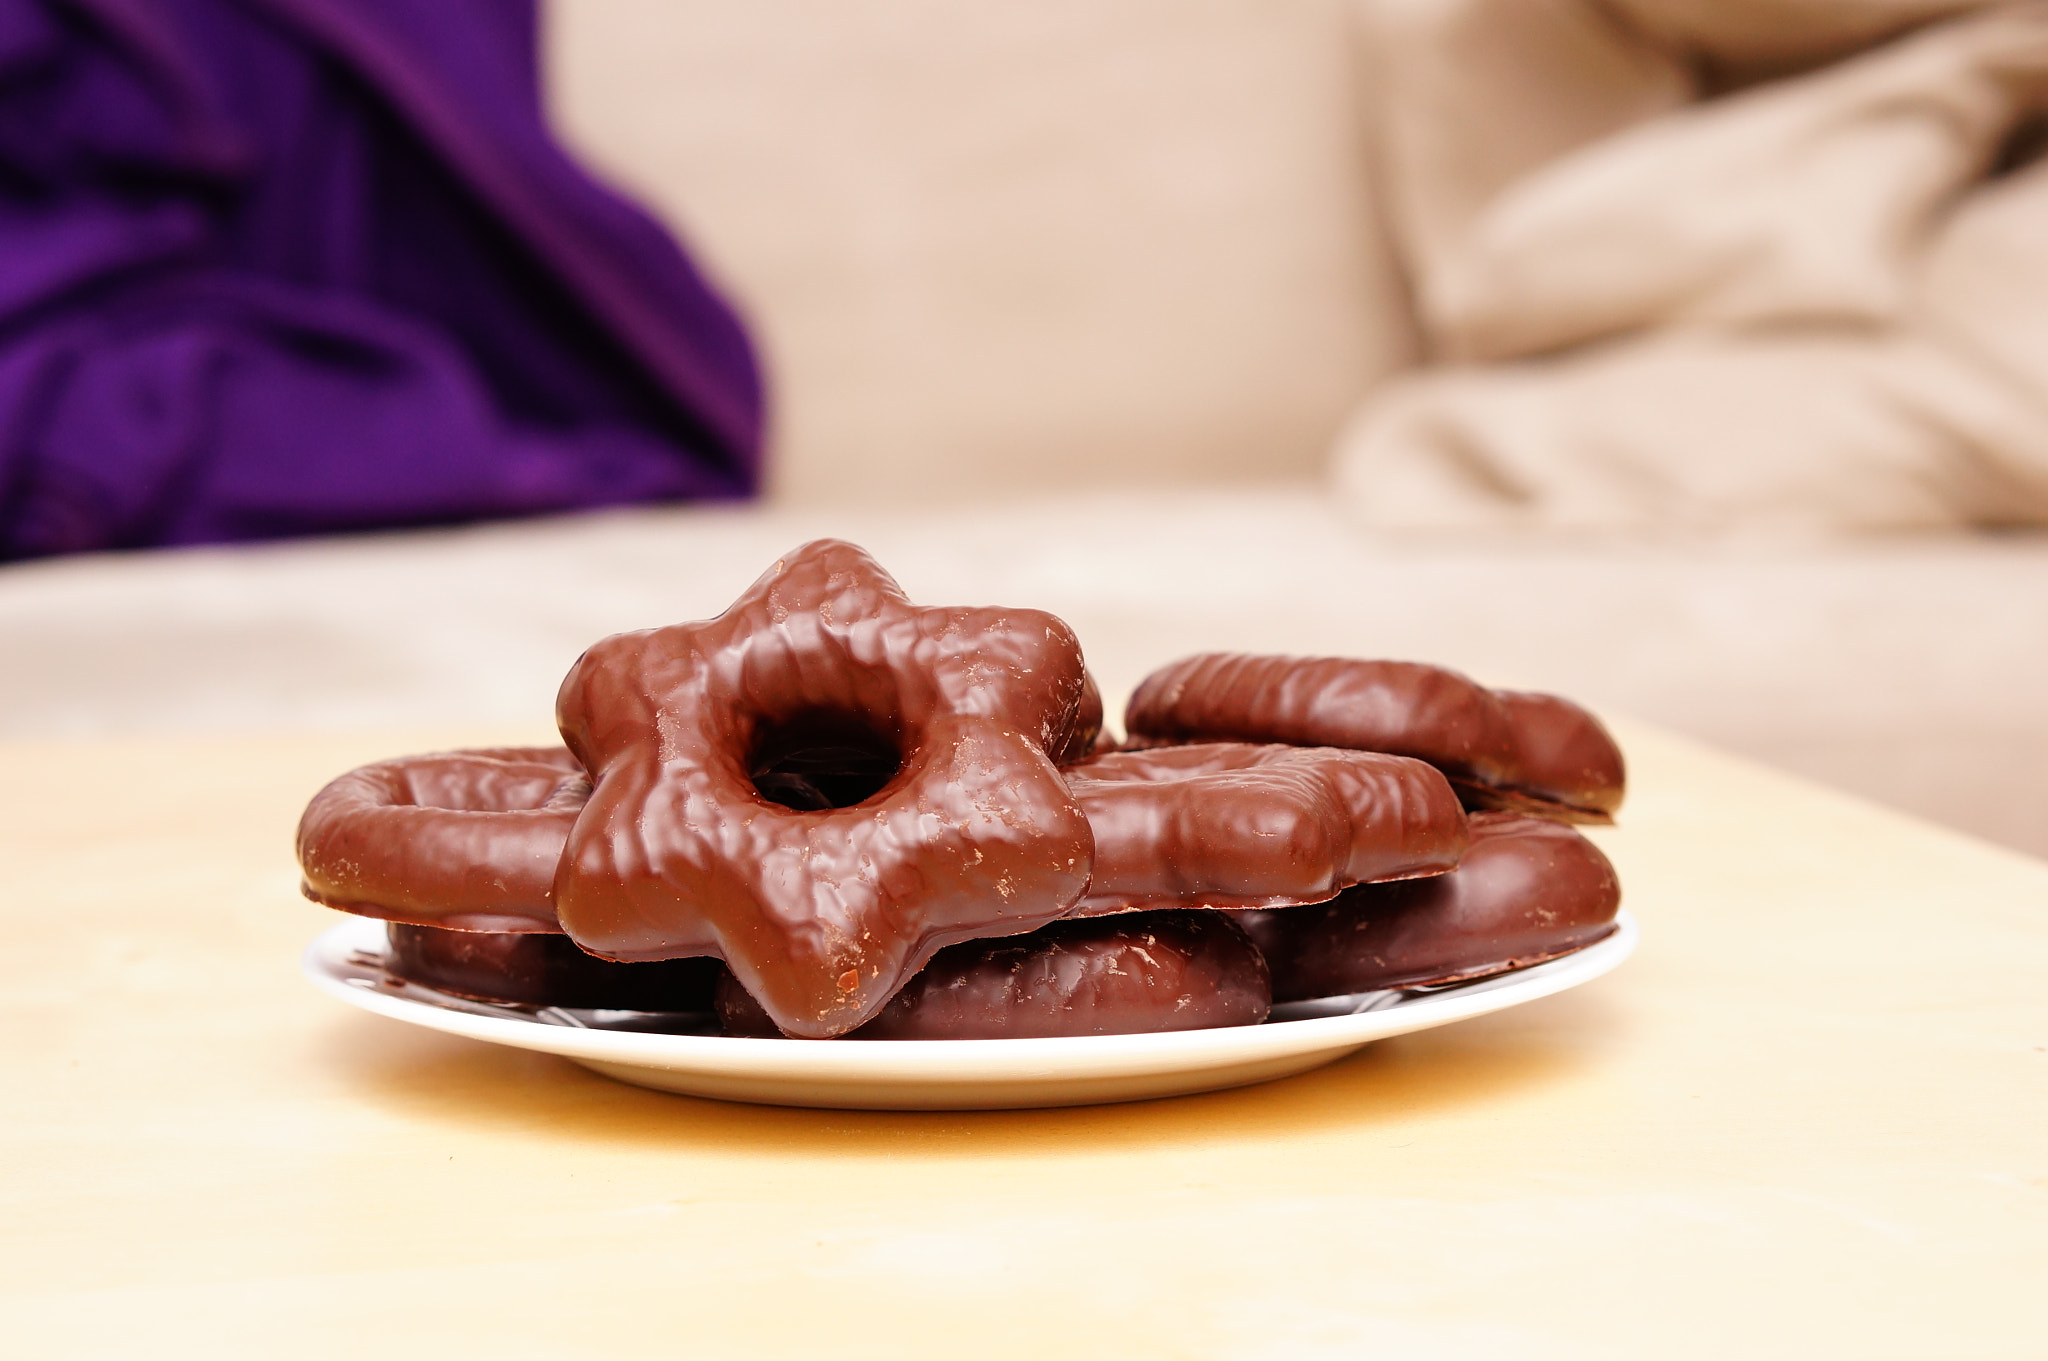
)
(683, 1053)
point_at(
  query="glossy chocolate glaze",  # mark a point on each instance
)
(544, 970)
(1564, 758)
(1529, 889)
(1131, 974)
(708, 831)
(464, 839)
(1536, 752)
(1231, 824)
(1086, 736)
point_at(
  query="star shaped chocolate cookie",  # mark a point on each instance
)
(824, 785)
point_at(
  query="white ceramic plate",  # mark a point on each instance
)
(348, 961)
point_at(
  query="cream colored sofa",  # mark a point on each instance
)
(1911, 672)
(1062, 304)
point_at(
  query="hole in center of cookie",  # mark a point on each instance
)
(823, 760)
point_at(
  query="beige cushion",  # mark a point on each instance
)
(990, 247)
(1802, 306)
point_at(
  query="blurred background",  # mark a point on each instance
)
(1688, 357)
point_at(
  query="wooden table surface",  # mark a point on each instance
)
(1810, 1118)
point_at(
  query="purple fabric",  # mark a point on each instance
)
(274, 267)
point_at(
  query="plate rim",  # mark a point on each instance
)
(954, 1062)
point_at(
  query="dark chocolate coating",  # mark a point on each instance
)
(1535, 752)
(1528, 889)
(1086, 735)
(544, 970)
(1564, 759)
(1229, 824)
(462, 839)
(1130, 974)
(717, 751)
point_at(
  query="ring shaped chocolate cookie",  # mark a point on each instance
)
(1133, 974)
(467, 840)
(1230, 824)
(1528, 889)
(1503, 748)
(458, 851)
(941, 816)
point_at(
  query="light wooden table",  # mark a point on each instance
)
(1810, 1118)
